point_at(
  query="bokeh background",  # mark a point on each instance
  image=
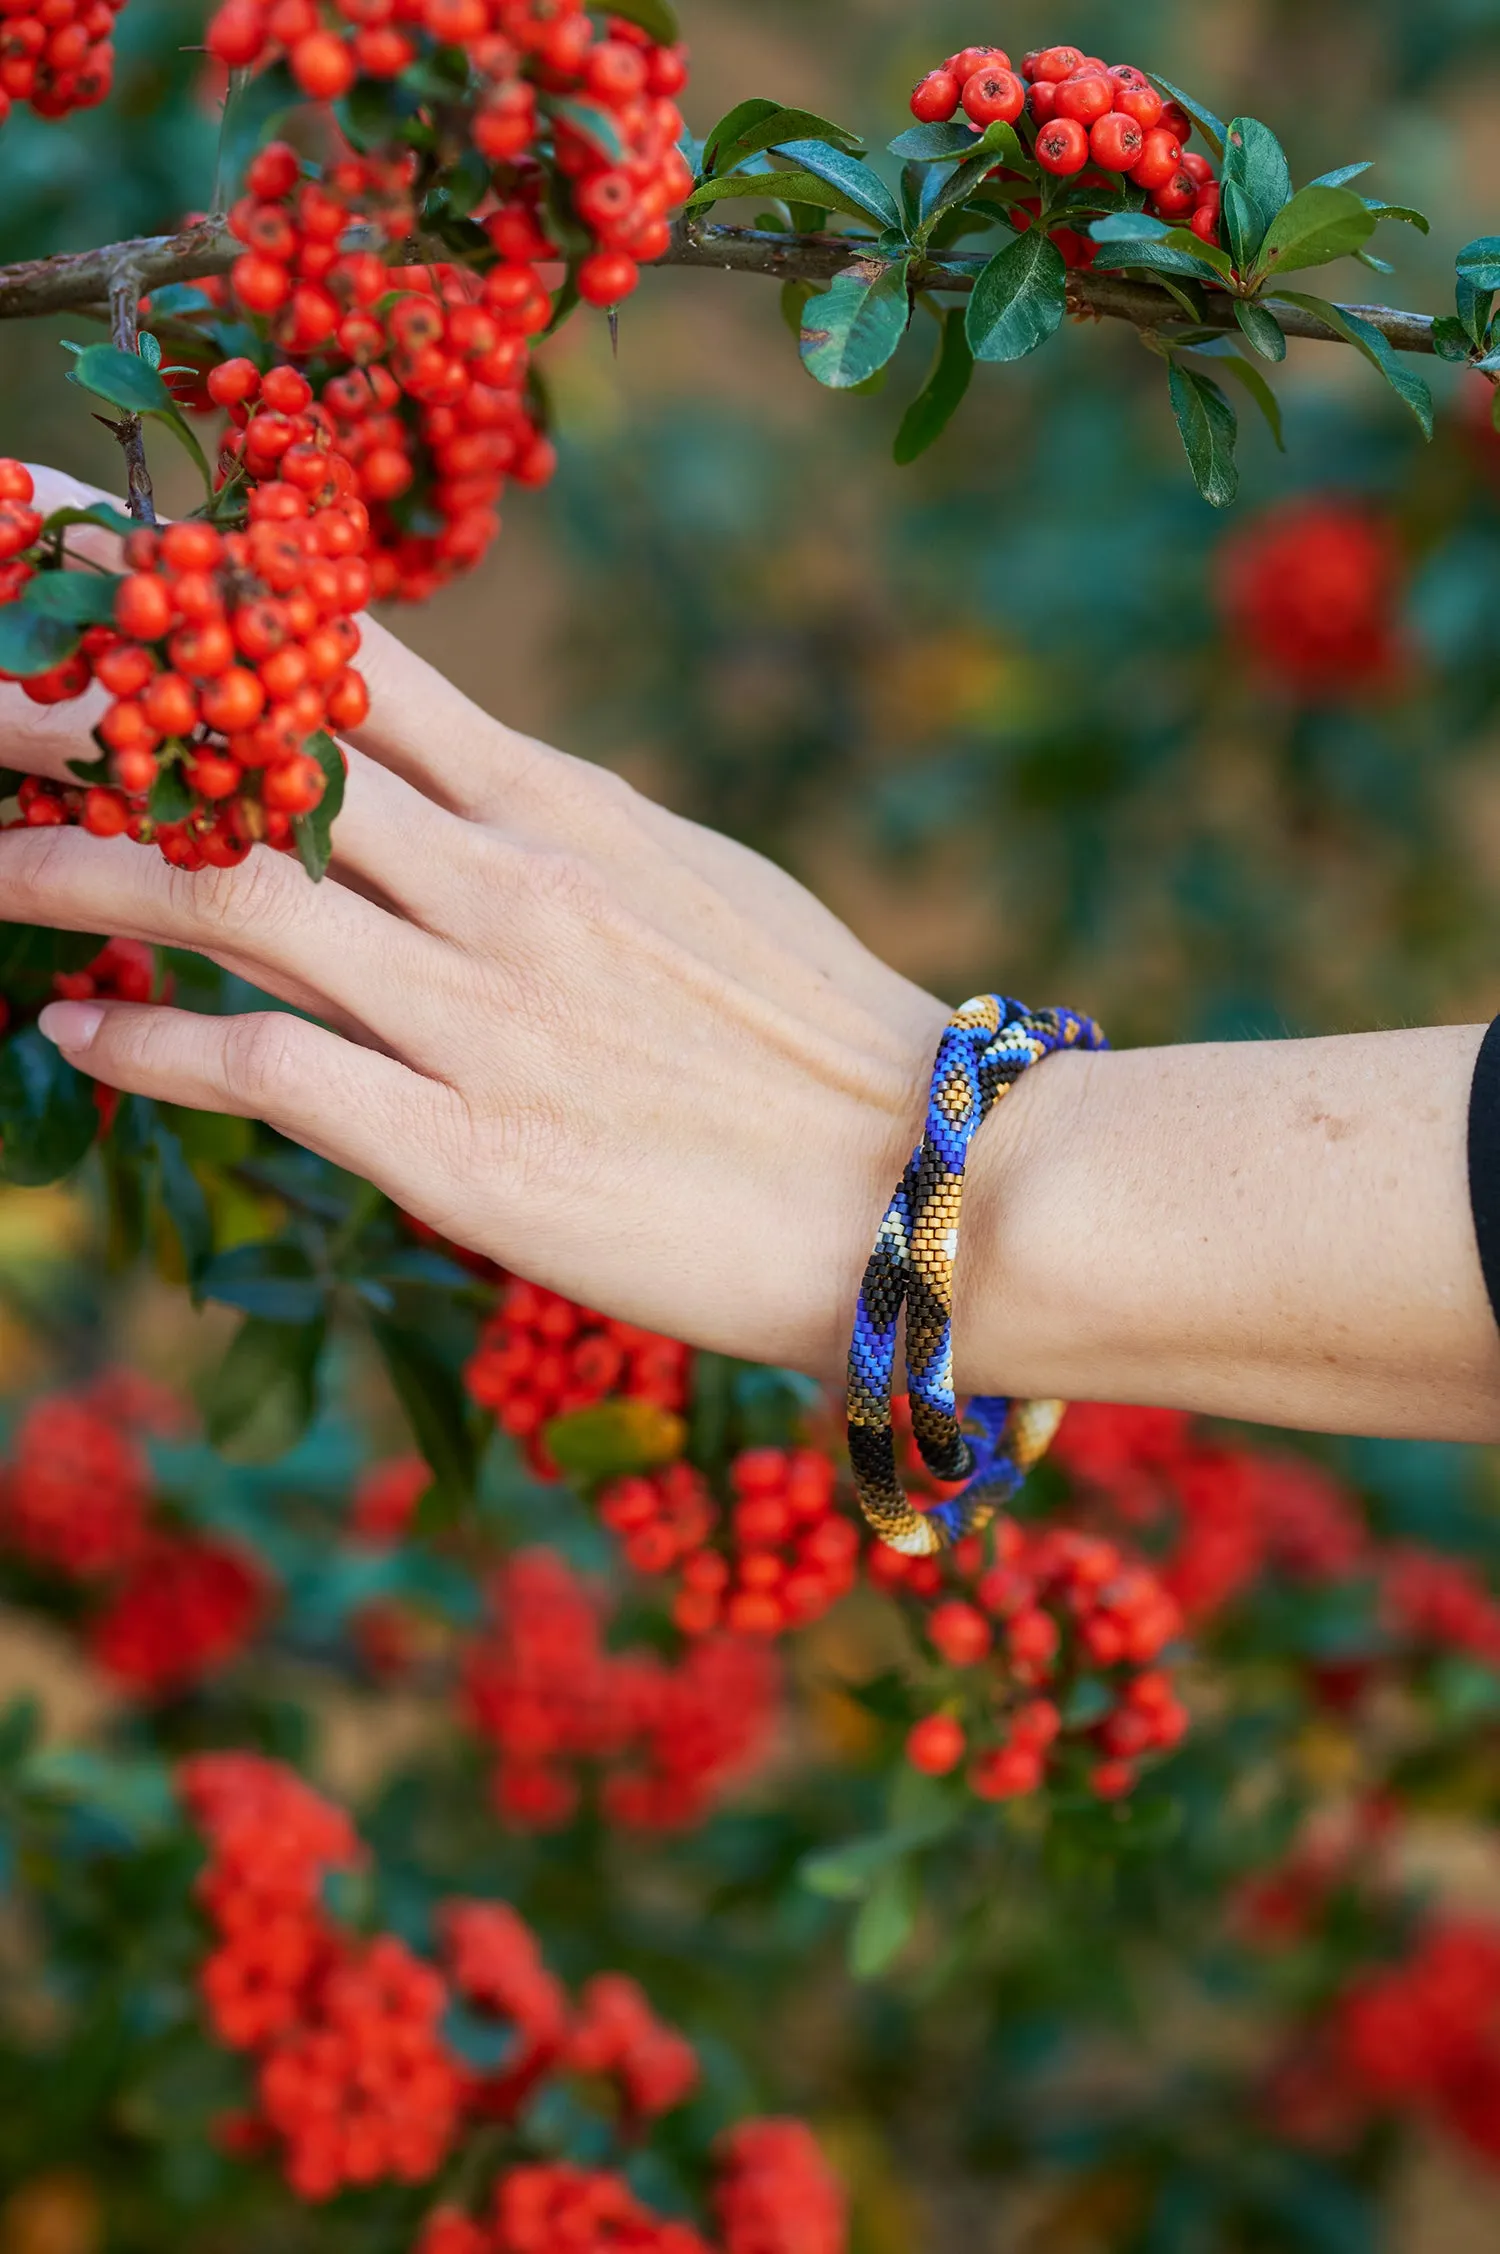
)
(1027, 714)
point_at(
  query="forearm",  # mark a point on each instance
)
(1272, 1230)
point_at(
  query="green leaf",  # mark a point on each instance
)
(1211, 127)
(1208, 429)
(1245, 372)
(655, 16)
(260, 1400)
(794, 299)
(885, 1923)
(1261, 328)
(273, 1279)
(135, 1796)
(48, 1118)
(1450, 339)
(782, 126)
(867, 191)
(999, 142)
(1019, 299)
(1255, 168)
(1342, 177)
(149, 349)
(183, 1201)
(1474, 309)
(732, 124)
(938, 401)
(590, 121)
(1405, 212)
(1318, 224)
(847, 1873)
(1478, 263)
(1161, 257)
(1129, 227)
(932, 144)
(795, 187)
(613, 1437)
(170, 799)
(31, 641)
(78, 598)
(1409, 389)
(123, 379)
(437, 1408)
(174, 300)
(855, 326)
(314, 831)
(99, 512)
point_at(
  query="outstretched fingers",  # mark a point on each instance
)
(362, 1110)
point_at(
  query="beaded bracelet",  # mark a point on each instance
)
(985, 1048)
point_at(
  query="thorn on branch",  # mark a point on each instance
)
(124, 328)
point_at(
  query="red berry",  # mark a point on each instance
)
(1116, 142)
(143, 608)
(15, 481)
(1056, 63)
(1063, 146)
(935, 99)
(1088, 96)
(260, 283)
(1112, 1779)
(323, 66)
(960, 1633)
(1176, 120)
(963, 65)
(1143, 103)
(994, 97)
(1008, 1773)
(1160, 158)
(606, 277)
(935, 1745)
(1042, 101)
(233, 382)
(105, 812)
(1205, 223)
(1177, 198)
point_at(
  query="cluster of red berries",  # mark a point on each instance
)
(1222, 1518)
(228, 649)
(666, 1739)
(774, 2193)
(555, 2207)
(791, 1553)
(185, 1607)
(1424, 2035)
(1050, 1607)
(56, 54)
(493, 1960)
(541, 69)
(75, 1499)
(1312, 591)
(354, 2084)
(421, 371)
(540, 1357)
(1099, 122)
(76, 1494)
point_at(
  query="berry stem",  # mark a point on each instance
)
(124, 310)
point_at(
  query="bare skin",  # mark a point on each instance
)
(640, 1064)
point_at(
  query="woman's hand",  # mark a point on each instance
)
(617, 1052)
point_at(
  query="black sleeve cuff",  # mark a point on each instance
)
(1484, 1161)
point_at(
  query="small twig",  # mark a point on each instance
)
(54, 285)
(219, 201)
(124, 321)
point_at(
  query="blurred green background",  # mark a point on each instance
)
(989, 706)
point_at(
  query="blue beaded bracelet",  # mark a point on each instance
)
(985, 1048)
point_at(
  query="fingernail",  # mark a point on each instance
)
(72, 1025)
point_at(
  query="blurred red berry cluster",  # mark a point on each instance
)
(164, 1607)
(1312, 592)
(540, 1357)
(665, 1739)
(58, 55)
(357, 2080)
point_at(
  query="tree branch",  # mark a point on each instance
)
(55, 285)
(124, 328)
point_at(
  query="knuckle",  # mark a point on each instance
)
(35, 867)
(255, 896)
(263, 1057)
